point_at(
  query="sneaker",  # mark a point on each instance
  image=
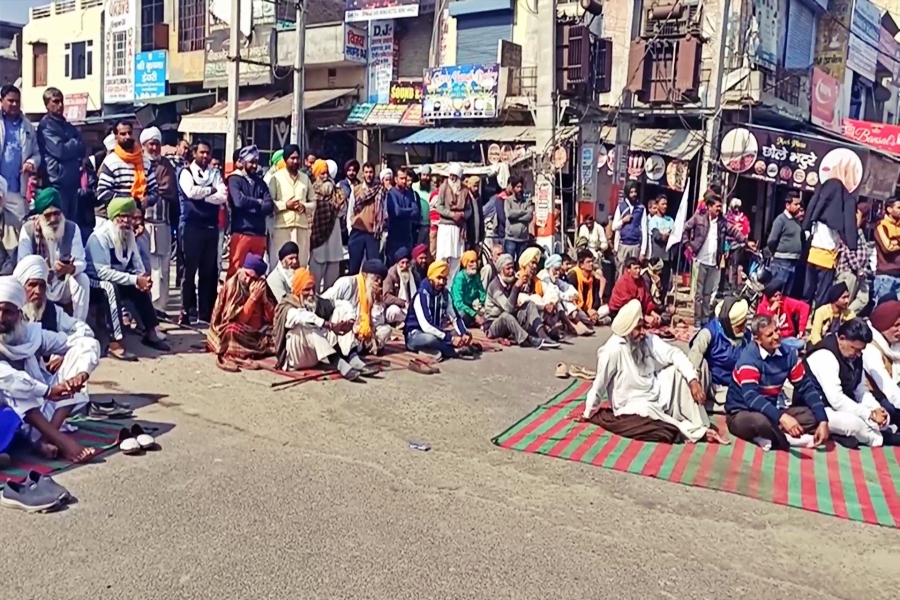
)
(45, 483)
(111, 410)
(27, 498)
(533, 342)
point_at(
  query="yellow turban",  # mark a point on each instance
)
(468, 258)
(320, 167)
(530, 255)
(628, 318)
(302, 280)
(438, 268)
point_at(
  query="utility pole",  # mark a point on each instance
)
(298, 123)
(234, 80)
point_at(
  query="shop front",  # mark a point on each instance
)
(764, 164)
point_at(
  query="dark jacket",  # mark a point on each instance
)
(833, 205)
(250, 203)
(495, 211)
(403, 213)
(475, 225)
(167, 208)
(436, 309)
(390, 288)
(697, 228)
(61, 154)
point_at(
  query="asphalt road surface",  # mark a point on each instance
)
(313, 492)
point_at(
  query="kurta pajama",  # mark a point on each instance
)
(308, 342)
(344, 294)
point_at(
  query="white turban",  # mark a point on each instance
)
(385, 173)
(332, 168)
(151, 134)
(31, 267)
(12, 291)
(4, 187)
(455, 169)
(628, 318)
(109, 142)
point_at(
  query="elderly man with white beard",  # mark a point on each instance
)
(32, 273)
(41, 400)
(57, 240)
(122, 276)
(558, 290)
(161, 217)
(654, 391)
(359, 298)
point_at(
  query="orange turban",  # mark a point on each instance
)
(320, 167)
(303, 279)
(468, 258)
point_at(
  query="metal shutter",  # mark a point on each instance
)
(477, 36)
(800, 29)
(414, 43)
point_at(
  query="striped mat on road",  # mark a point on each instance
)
(860, 485)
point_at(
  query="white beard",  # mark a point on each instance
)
(640, 351)
(34, 312)
(17, 336)
(123, 243)
(309, 305)
(52, 237)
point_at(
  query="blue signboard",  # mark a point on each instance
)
(150, 74)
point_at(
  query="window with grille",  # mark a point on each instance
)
(152, 13)
(192, 25)
(39, 53)
(119, 57)
(79, 60)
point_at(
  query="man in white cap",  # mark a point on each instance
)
(160, 218)
(9, 229)
(43, 401)
(454, 206)
(654, 391)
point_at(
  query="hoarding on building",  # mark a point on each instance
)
(461, 92)
(382, 50)
(370, 10)
(150, 74)
(119, 50)
(259, 48)
(865, 31)
(832, 38)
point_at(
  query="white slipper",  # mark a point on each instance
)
(144, 439)
(130, 446)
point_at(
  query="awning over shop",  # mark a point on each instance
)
(462, 135)
(173, 98)
(674, 143)
(215, 118)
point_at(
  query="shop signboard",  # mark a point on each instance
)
(118, 51)
(380, 70)
(413, 116)
(801, 161)
(150, 74)
(825, 102)
(405, 93)
(865, 28)
(259, 48)
(888, 53)
(880, 180)
(831, 38)
(461, 92)
(355, 45)
(370, 10)
(878, 135)
(75, 108)
(767, 23)
(359, 113)
(386, 114)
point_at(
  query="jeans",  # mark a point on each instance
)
(886, 287)
(818, 280)
(793, 343)
(783, 270)
(419, 341)
(514, 249)
(707, 283)
(201, 259)
(361, 245)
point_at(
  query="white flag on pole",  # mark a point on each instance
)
(680, 218)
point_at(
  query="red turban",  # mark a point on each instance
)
(885, 315)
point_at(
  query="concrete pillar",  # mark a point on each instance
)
(545, 115)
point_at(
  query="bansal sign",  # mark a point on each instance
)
(876, 135)
(355, 47)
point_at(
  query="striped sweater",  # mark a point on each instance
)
(758, 383)
(116, 177)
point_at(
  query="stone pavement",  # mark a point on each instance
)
(312, 492)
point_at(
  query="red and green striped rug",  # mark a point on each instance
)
(860, 485)
(91, 433)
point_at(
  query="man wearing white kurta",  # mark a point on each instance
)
(881, 358)
(41, 400)
(32, 273)
(647, 377)
(348, 305)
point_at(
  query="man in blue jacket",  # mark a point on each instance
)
(62, 152)
(403, 213)
(630, 224)
(250, 204)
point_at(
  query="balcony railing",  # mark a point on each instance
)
(522, 82)
(61, 7)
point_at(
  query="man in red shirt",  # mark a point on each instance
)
(790, 315)
(632, 286)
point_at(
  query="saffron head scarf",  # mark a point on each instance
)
(438, 268)
(302, 281)
(320, 167)
(468, 258)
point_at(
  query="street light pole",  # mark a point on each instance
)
(234, 75)
(298, 123)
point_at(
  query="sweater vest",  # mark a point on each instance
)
(64, 246)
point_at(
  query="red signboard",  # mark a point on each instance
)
(877, 135)
(825, 101)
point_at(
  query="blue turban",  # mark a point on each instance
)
(256, 264)
(249, 153)
(402, 253)
(287, 249)
(555, 260)
(373, 266)
(289, 150)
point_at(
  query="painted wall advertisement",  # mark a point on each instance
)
(118, 51)
(150, 74)
(865, 31)
(380, 71)
(460, 92)
(355, 46)
(831, 39)
(826, 105)
(370, 10)
(260, 47)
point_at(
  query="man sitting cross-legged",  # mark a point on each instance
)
(59, 242)
(281, 278)
(467, 292)
(505, 317)
(41, 400)
(240, 330)
(854, 415)
(558, 290)
(432, 311)
(881, 358)
(757, 407)
(716, 348)
(116, 262)
(359, 298)
(305, 335)
(654, 390)
(590, 285)
(399, 287)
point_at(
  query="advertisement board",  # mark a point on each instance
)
(371, 10)
(461, 92)
(150, 74)
(118, 51)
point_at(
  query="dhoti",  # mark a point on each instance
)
(308, 346)
(72, 288)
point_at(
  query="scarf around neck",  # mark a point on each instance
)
(135, 159)
(364, 326)
(585, 286)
